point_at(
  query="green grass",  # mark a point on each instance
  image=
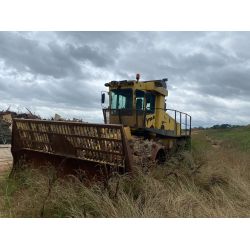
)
(207, 181)
(233, 137)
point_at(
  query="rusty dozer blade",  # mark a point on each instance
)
(70, 146)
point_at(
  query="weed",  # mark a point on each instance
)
(204, 182)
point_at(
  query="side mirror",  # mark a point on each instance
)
(103, 98)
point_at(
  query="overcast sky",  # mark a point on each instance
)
(64, 72)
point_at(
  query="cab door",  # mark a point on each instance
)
(150, 110)
(140, 113)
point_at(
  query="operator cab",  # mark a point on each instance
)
(122, 99)
(135, 103)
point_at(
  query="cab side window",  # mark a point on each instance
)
(150, 103)
(139, 95)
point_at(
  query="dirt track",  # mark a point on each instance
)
(5, 158)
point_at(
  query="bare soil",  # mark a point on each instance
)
(5, 158)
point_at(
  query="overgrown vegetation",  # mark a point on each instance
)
(213, 180)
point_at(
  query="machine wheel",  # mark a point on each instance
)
(161, 157)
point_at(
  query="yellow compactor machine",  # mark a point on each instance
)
(137, 128)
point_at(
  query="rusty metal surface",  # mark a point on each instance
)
(80, 143)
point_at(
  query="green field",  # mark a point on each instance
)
(233, 137)
(210, 180)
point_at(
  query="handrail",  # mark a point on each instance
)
(181, 118)
(178, 111)
(186, 124)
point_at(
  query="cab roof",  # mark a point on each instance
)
(158, 83)
(159, 86)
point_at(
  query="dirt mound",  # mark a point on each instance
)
(5, 132)
(6, 122)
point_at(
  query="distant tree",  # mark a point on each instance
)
(225, 126)
(215, 126)
(222, 126)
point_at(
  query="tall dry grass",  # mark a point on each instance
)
(206, 182)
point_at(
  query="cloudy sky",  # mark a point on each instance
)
(65, 72)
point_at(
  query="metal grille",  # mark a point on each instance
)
(99, 143)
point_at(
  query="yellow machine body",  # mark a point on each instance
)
(141, 105)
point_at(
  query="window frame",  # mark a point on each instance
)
(152, 102)
(122, 110)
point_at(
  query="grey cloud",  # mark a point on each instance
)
(92, 55)
(27, 55)
(207, 71)
(228, 82)
(59, 93)
(54, 60)
(111, 40)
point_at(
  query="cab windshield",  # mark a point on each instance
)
(121, 99)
